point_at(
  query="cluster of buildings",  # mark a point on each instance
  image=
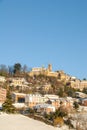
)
(43, 71)
(17, 81)
(78, 84)
(48, 72)
(61, 75)
(47, 103)
(44, 103)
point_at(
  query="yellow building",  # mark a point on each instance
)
(2, 95)
(62, 75)
(83, 84)
(17, 81)
(43, 71)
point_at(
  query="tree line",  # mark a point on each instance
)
(15, 69)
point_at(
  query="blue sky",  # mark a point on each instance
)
(39, 32)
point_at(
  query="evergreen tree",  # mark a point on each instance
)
(17, 68)
(60, 92)
(76, 105)
(84, 90)
(7, 105)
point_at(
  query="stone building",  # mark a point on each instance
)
(43, 71)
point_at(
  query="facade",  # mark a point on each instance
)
(62, 75)
(83, 84)
(2, 95)
(78, 84)
(19, 100)
(44, 108)
(51, 74)
(53, 100)
(51, 97)
(18, 97)
(75, 84)
(2, 79)
(66, 103)
(32, 99)
(55, 103)
(18, 82)
(43, 71)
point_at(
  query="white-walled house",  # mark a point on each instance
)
(32, 99)
(21, 82)
(44, 108)
(19, 100)
(2, 79)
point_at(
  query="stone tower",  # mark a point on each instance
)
(50, 67)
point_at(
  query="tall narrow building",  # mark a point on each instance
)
(50, 67)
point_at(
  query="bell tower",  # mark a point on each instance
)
(50, 67)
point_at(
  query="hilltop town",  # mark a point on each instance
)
(56, 96)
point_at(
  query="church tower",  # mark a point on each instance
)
(50, 67)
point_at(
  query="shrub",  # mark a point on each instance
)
(76, 105)
(58, 121)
